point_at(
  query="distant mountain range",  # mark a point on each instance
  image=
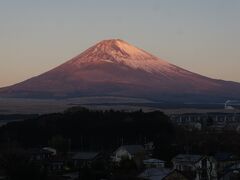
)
(115, 68)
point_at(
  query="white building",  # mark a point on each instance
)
(51, 150)
(128, 152)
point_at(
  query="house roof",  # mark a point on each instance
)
(231, 169)
(223, 156)
(85, 155)
(73, 175)
(153, 161)
(187, 158)
(154, 173)
(38, 151)
(234, 166)
(51, 150)
(180, 175)
(132, 149)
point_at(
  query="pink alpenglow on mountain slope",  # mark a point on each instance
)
(116, 68)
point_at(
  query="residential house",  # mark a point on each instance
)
(197, 167)
(71, 176)
(225, 160)
(136, 153)
(176, 175)
(234, 127)
(82, 159)
(39, 154)
(231, 173)
(149, 147)
(162, 174)
(51, 150)
(154, 174)
(128, 152)
(154, 163)
(56, 164)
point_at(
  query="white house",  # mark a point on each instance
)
(128, 152)
(51, 150)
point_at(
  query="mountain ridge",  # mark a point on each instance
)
(116, 68)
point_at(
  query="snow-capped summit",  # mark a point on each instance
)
(117, 68)
(119, 51)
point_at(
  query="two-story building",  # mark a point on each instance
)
(196, 166)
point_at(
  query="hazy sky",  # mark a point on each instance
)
(200, 35)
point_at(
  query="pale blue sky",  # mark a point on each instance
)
(201, 36)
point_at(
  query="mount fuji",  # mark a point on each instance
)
(115, 68)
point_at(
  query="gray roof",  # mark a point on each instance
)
(224, 156)
(85, 155)
(187, 158)
(133, 149)
(153, 161)
(154, 173)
